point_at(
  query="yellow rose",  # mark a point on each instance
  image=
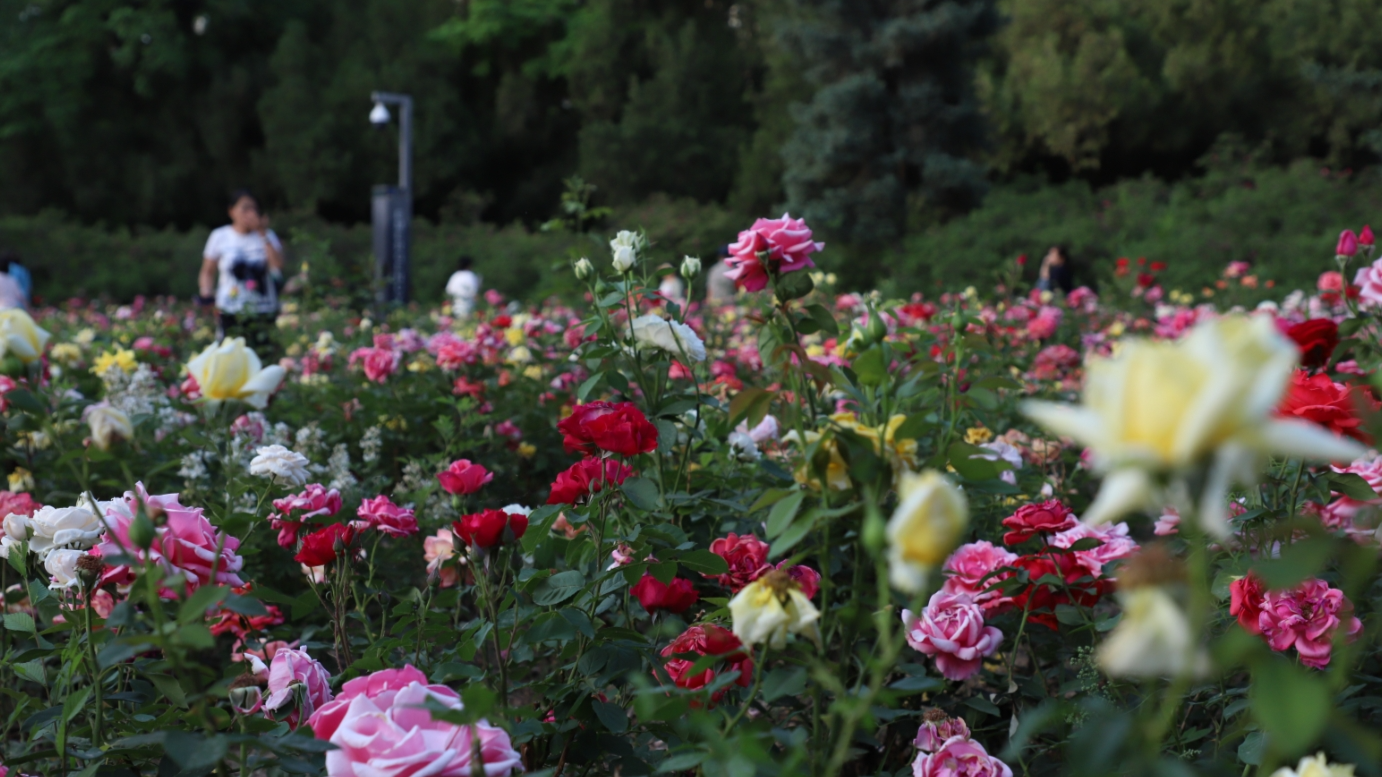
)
(20, 336)
(1153, 639)
(925, 527)
(1208, 399)
(107, 425)
(527, 450)
(514, 335)
(67, 353)
(1317, 766)
(121, 357)
(228, 370)
(770, 608)
(978, 435)
(21, 480)
(836, 471)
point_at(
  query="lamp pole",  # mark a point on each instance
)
(393, 208)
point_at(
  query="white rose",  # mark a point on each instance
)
(770, 608)
(584, 269)
(518, 509)
(17, 526)
(62, 565)
(766, 430)
(742, 446)
(285, 467)
(690, 267)
(626, 239)
(624, 258)
(54, 528)
(651, 331)
(107, 425)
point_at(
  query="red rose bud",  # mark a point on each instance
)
(1316, 338)
(322, 546)
(1158, 266)
(1365, 237)
(486, 529)
(464, 477)
(1021, 260)
(617, 427)
(1030, 520)
(1348, 244)
(674, 597)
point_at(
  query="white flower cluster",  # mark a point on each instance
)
(338, 467)
(370, 444)
(59, 536)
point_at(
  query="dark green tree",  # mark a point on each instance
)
(893, 121)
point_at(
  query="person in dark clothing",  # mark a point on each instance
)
(1057, 272)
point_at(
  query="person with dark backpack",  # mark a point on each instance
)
(242, 272)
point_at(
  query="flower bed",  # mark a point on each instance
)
(802, 533)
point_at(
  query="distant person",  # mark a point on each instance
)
(671, 288)
(11, 293)
(242, 266)
(19, 273)
(719, 289)
(1056, 271)
(463, 287)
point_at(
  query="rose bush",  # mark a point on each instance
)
(803, 532)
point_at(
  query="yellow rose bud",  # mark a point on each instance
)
(925, 527)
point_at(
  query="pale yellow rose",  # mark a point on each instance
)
(1205, 402)
(20, 336)
(1315, 766)
(108, 424)
(925, 527)
(770, 608)
(1154, 638)
(228, 370)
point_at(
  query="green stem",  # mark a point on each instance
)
(760, 669)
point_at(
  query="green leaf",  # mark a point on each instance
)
(612, 716)
(170, 688)
(1298, 561)
(983, 705)
(915, 426)
(782, 514)
(549, 626)
(642, 493)
(195, 607)
(703, 561)
(870, 367)
(22, 399)
(788, 681)
(193, 752)
(794, 534)
(750, 405)
(589, 386)
(824, 319)
(1352, 486)
(559, 587)
(74, 703)
(245, 605)
(663, 571)
(1252, 749)
(682, 762)
(19, 621)
(1291, 703)
(794, 285)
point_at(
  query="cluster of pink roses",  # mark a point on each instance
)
(185, 543)
(944, 749)
(1305, 617)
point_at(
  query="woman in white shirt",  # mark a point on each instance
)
(242, 266)
(463, 287)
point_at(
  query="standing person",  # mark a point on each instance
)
(1056, 271)
(18, 272)
(242, 266)
(463, 287)
(11, 293)
(719, 289)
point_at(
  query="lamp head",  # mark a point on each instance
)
(379, 115)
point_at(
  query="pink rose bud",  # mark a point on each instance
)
(1348, 244)
(1365, 237)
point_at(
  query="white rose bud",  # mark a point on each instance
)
(584, 269)
(624, 258)
(690, 267)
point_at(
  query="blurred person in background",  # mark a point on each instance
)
(719, 289)
(242, 269)
(12, 294)
(463, 287)
(1056, 271)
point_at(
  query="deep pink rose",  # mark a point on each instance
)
(185, 543)
(380, 513)
(959, 757)
(951, 630)
(290, 668)
(747, 557)
(807, 578)
(290, 511)
(1306, 617)
(1045, 323)
(1030, 520)
(379, 363)
(973, 569)
(1116, 545)
(382, 727)
(783, 243)
(464, 477)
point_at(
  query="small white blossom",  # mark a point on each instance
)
(281, 465)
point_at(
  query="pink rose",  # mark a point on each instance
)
(290, 669)
(379, 363)
(804, 576)
(1306, 617)
(958, 756)
(464, 477)
(437, 550)
(951, 630)
(290, 511)
(747, 557)
(382, 727)
(1369, 283)
(973, 569)
(1116, 545)
(936, 729)
(1045, 323)
(185, 544)
(1167, 523)
(382, 514)
(786, 242)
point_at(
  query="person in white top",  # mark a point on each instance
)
(11, 293)
(463, 287)
(242, 267)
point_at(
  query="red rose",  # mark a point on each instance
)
(1040, 599)
(807, 578)
(382, 514)
(586, 477)
(321, 546)
(747, 557)
(1317, 339)
(486, 529)
(1245, 602)
(1030, 520)
(673, 597)
(1320, 400)
(617, 427)
(707, 640)
(464, 477)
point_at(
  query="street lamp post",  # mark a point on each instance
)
(392, 207)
